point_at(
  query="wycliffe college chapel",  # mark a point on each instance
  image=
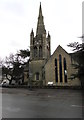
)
(43, 67)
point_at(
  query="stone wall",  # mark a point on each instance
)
(50, 69)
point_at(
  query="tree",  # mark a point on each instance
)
(79, 57)
(13, 67)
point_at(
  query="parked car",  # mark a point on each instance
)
(50, 83)
(4, 83)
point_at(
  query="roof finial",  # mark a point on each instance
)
(48, 34)
(32, 33)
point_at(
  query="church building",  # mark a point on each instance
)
(44, 68)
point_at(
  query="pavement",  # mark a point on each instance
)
(41, 103)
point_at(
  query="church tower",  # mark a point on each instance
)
(40, 45)
(40, 50)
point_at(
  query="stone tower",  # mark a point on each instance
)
(40, 49)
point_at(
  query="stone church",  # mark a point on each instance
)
(44, 68)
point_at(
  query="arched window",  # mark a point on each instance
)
(37, 76)
(60, 67)
(56, 71)
(65, 70)
(35, 51)
(40, 51)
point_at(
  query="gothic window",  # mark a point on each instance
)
(40, 51)
(56, 71)
(35, 51)
(60, 67)
(43, 75)
(40, 42)
(37, 76)
(65, 70)
(47, 46)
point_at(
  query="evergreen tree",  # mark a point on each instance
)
(79, 57)
(13, 66)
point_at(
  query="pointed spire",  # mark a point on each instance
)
(32, 33)
(48, 35)
(40, 11)
(40, 24)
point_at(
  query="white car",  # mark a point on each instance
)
(4, 82)
(50, 83)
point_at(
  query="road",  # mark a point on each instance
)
(41, 103)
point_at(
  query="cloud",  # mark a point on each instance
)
(12, 6)
(62, 18)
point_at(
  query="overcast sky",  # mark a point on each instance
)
(62, 18)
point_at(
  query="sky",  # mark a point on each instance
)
(62, 18)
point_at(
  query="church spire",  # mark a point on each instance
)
(40, 11)
(40, 23)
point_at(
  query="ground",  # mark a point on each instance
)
(41, 103)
